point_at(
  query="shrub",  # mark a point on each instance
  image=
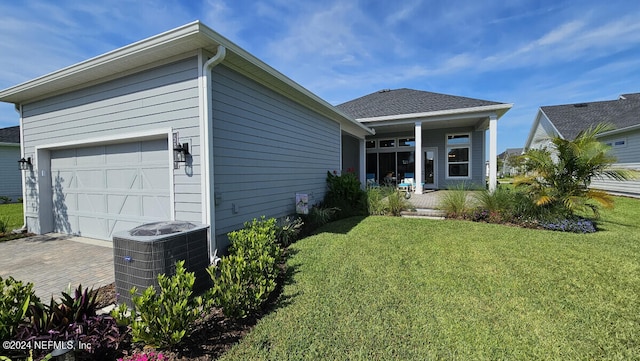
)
(4, 224)
(320, 215)
(163, 319)
(248, 275)
(15, 299)
(5, 199)
(345, 193)
(375, 201)
(396, 203)
(74, 318)
(144, 356)
(575, 225)
(288, 231)
(454, 202)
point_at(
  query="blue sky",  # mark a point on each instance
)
(529, 53)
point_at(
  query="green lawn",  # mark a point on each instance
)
(14, 213)
(384, 288)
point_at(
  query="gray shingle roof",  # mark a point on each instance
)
(510, 152)
(10, 135)
(406, 101)
(570, 119)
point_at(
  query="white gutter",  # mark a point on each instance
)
(206, 149)
(18, 109)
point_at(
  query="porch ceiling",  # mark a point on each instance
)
(400, 126)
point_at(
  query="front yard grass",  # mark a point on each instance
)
(394, 288)
(14, 214)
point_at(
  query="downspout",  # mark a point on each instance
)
(206, 98)
(18, 108)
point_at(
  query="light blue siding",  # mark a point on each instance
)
(628, 156)
(10, 178)
(267, 148)
(157, 99)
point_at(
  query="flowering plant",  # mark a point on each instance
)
(150, 356)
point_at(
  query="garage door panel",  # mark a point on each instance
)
(125, 178)
(63, 179)
(103, 189)
(90, 156)
(89, 178)
(153, 179)
(127, 205)
(92, 226)
(126, 153)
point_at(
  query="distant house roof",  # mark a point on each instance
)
(571, 119)
(409, 101)
(510, 152)
(10, 135)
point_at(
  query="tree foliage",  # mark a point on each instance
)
(561, 174)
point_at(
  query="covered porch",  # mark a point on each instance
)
(433, 141)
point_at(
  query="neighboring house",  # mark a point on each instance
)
(102, 135)
(508, 168)
(438, 139)
(11, 179)
(569, 120)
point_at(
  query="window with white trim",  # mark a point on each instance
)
(618, 143)
(458, 155)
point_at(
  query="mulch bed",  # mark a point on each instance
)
(213, 334)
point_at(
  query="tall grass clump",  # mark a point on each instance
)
(454, 202)
(386, 201)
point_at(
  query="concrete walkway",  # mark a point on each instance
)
(53, 261)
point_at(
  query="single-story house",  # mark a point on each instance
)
(11, 179)
(439, 140)
(185, 125)
(568, 120)
(507, 157)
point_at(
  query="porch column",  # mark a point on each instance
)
(418, 158)
(493, 152)
(362, 170)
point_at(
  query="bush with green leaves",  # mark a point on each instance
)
(560, 175)
(15, 299)
(246, 277)
(162, 319)
(5, 199)
(72, 318)
(288, 230)
(346, 194)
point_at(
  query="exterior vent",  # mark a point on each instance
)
(581, 105)
(384, 91)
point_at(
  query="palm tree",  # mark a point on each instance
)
(561, 176)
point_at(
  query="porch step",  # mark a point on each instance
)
(424, 213)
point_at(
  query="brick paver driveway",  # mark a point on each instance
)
(52, 262)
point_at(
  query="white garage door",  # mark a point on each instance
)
(103, 189)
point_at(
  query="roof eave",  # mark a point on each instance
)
(181, 40)
(498, 109)
(618, 131)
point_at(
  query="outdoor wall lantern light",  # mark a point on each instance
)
(180, 152)
(25, 164)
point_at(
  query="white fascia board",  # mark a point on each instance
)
(187, 38)
(618, 131)
(541, 116)
(499, 109)
(18, 93)
(334, 113)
